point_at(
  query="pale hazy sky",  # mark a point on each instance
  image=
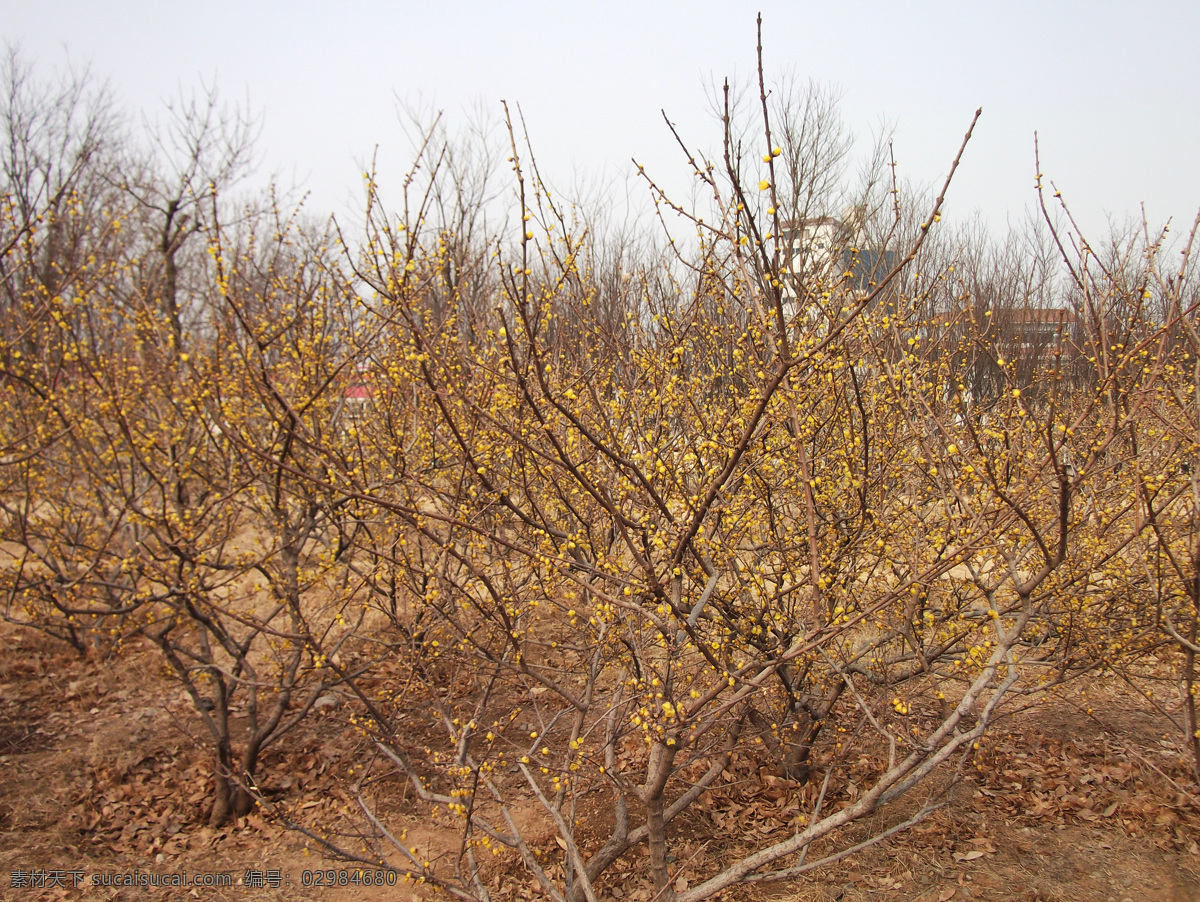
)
(1113, 88)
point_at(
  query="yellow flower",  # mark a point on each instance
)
(764, 185)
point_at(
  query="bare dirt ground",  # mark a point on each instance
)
(102, 772)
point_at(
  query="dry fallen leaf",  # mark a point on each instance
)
(968, 856)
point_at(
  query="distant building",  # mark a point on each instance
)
(358, 398)
(996, 348)
(826, 254)
(358, 394)
(815, 245)
(1030, 332)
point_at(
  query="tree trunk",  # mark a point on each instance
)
(230, 799)
(657, 772)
